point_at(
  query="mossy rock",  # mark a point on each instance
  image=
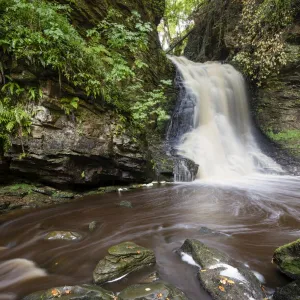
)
(17, 190)
(290, 291)
(63, 195)
(287, 258)
(123, 259)
(203, 255)
(221, 276)
(45, 190)
(63, 235)
(82, 292)
(93, 226)
(108, 189)
(37, 199)
(156, 290)
(125, 203)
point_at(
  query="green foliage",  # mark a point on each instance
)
(260, 37)
(151, 105)
(21, 186)
(106, 61)
(40, 34)
(177, 21)
(14, 119)
(128, 36)
(69, 104)
(283, 136)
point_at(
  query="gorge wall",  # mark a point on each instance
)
(92, 146)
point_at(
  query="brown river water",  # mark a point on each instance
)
(254, 215)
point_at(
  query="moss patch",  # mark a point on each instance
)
(287, 258)
(19, 190)
(286, 135)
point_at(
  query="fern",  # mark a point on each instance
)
(38, 33)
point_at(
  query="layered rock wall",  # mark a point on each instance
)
(91, 146)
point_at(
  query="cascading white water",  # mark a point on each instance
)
(221, 142)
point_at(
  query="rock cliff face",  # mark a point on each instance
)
(92, 146)
(89, 148)
(275, 106)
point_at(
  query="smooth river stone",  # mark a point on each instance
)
(123, 259)
(221, 276)
(288, 292)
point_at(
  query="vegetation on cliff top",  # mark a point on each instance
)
(259, 48)
(260, 37)
(105, 61)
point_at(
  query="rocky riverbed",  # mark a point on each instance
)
(151, 242)
(221, 276)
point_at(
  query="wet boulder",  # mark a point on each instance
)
(287, 259)
(63, 195)
(156, 290)
(290, 291)
(123, 259)
(125, 203)
(63, 235)
(82, 292)
(222, 277)
(92, 226)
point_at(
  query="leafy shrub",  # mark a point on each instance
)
(14, 120)
(106, 60)
(260, 37)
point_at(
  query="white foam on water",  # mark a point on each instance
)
(188, 259)
(229, 271)
(117, 279)
(259, 276)
(18, 270)
(249, 297)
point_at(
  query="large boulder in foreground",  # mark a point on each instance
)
(288, 292)
(222, 277)
(82, 292)
(156, 290)
(287, 259)
(123, 259)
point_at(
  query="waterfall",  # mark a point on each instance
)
(220, 139)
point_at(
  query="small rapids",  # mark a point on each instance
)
(248, 218)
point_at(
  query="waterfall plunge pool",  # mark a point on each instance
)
(250, 217)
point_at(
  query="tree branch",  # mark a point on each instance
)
(179, 41)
